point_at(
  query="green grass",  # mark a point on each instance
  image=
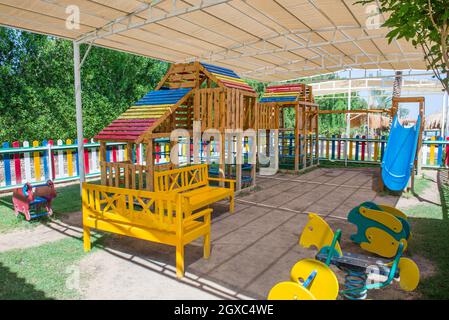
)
(430, 228)
(341, 164)
(421, 184)
(425, 211)
(68, 200)
(41, 272)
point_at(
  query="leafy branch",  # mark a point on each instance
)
(424, 23)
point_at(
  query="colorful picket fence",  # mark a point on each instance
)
(40, 161)
(371, 150)
(58, 160)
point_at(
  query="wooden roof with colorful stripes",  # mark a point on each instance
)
(140, 117)
(227, 77)
(286, 93)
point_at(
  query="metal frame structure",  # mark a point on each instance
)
(262, 40)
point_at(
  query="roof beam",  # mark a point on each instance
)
(375, 60)
(125, 23)
(229, 55)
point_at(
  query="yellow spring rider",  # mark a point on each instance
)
(313, 279)
(380, 228)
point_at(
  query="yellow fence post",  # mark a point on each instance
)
(37, 162)
(432, 153)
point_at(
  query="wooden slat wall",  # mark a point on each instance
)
(267, 118)
(209, 107)
(125, 175)
(183, 76)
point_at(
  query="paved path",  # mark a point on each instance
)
(252, 249)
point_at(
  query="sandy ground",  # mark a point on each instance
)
(252, 249)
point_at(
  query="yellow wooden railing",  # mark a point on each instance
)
(152, 216)
(181, 179)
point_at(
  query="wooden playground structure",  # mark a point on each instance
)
(206, 107)
(298, 146)
(215, 96)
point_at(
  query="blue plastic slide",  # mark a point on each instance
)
(397, 163)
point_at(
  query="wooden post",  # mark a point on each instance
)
(238, 161)
(150, 165)
(230, 157)
(255, 142)
(418, 165)
(317, 138)
(304, 137)
(103, 160)
(129, 152)
(222, 168)
(380, 181)
(267, 149)
(297, 139)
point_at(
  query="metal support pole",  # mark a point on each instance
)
(445, 115)
(348, 117)
(79, 112)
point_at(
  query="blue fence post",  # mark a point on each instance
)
(357, 146)
(440, 152)
(382, 148)
(45, 161)
(290, 151)
(108, 154)
(7, 164)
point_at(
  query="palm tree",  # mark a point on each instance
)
(397, 85)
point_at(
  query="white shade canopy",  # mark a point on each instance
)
(269, 40)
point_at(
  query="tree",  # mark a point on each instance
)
(330, 124)
(37, 87)
(424, 23)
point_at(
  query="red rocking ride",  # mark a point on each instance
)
(34, 201)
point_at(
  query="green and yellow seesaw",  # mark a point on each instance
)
(380, 228)
(313, 279)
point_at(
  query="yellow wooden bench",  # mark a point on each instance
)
(193, 184)
(151, 216)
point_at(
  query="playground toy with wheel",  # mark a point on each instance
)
(313, 279)
(380, 229)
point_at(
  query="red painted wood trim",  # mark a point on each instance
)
(283, 86)
(284, 90)
(363, 148)
(128, 131)
(114, 154)
(158, 150)
(108, 137)
(237, 86)
(138, 154)
(130, 125)
(52, 161)
(339, 148)
(120, 133)
(86, 158)
(17, 168)
(139, 121)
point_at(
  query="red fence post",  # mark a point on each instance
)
(339, 147)
(363, 148)
(114, 154)
(86, 158)
(52, 161)
(138, 154)
(17, 167)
